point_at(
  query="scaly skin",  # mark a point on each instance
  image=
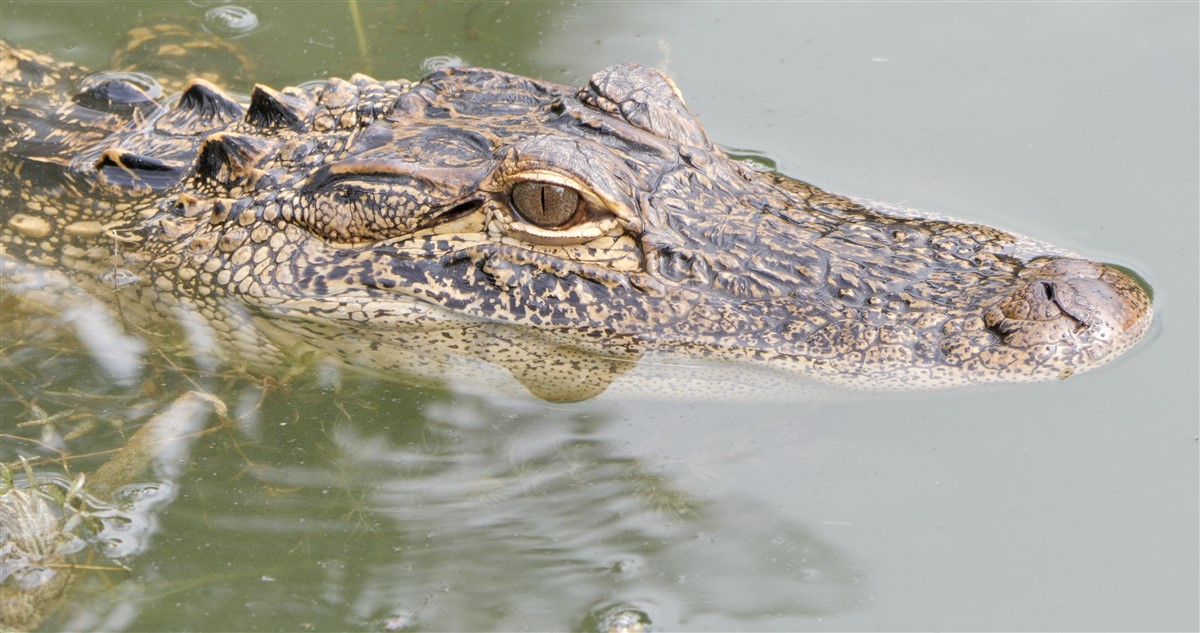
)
(387, 222)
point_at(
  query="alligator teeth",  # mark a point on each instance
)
(273, 109)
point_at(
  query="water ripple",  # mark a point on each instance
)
(231, 21)
(440, 62)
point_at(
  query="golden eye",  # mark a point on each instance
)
(545, 205)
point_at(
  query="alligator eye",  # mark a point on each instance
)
(546, 206)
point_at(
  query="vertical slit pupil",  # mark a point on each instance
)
(1048, 290)
(544, 205)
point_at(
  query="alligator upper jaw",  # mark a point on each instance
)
(1091, 310)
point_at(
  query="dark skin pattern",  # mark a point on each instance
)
(390, 218)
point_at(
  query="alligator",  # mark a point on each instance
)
(478, 222)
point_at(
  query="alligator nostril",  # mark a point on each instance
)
(1047, 290)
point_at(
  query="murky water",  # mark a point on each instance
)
(329, 501)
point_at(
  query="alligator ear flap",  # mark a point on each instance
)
(202, 108)
(646, 98)
(123, 171)
(273, 109)
(231, 160)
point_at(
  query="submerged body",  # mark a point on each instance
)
(478, 221)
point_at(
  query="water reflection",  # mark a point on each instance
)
(47, 520)
(577, 521)
(306, 497)
(336, 501)
(243, 549)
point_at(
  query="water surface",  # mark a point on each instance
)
(332, 501)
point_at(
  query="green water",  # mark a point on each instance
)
(331, 501)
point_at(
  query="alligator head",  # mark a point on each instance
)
(564, 233)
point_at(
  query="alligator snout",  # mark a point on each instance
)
(1073, 305)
